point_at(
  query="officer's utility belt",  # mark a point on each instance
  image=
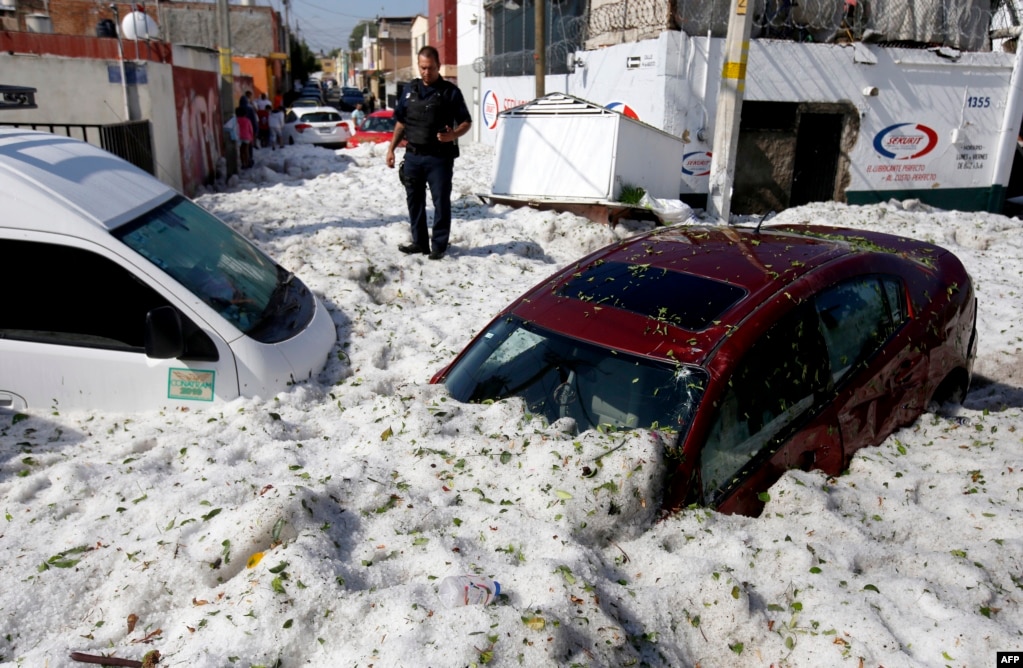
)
(427, 149)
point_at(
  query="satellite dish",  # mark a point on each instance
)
(139, 25)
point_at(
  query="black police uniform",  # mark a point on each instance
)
(426, 111)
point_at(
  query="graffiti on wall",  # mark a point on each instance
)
(197, 103)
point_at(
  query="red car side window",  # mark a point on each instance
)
(857, 317)
(775, 384)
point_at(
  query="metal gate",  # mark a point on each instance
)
(131, 140)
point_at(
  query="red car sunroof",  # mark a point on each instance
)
(684, 300)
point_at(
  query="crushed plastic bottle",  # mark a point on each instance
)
(459, 590)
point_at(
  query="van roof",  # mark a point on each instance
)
(43, 176)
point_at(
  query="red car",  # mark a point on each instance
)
(377, 128)
(752, 351)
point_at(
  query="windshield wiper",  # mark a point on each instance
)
(286, 285)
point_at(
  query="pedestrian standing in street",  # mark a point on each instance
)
(249, 106)
(358, 115)
(431, 115)
(246, 135)
(277, 128)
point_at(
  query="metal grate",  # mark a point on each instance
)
(132, 140)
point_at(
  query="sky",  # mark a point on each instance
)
(327, 24)
(314, 527)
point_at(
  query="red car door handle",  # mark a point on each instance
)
(905, 373)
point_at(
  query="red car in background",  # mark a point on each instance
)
(750, 351)
(377, 128)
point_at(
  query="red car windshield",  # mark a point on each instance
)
(561, 377)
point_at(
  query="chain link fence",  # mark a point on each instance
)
(574, 25)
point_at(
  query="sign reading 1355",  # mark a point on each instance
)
(978, 102)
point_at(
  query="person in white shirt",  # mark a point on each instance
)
(358, 116)
(277, 128)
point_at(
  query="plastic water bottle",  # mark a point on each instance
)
(459, 590)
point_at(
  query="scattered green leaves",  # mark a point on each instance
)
(631, 194)
(566, 573)
(62, 559)
(535, 622)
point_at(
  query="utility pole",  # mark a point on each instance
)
(287, 47)
(540, 25)
(120, 60)
(729, 111)
(227, 83)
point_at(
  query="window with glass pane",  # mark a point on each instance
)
(90, 302)
(206, 256)
(560, 377)
(775, 384)
(855, 320)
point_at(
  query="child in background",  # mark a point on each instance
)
(263, 130)
(245, 136)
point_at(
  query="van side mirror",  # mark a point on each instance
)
(165, 338)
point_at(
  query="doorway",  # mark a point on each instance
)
(815, 164)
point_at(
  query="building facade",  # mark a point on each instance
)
(443, 35)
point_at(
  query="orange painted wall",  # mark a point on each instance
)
(262, 72)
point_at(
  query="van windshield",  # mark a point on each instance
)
(214, 262)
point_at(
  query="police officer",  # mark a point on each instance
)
(431, 116)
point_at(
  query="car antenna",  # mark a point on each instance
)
(767, 216)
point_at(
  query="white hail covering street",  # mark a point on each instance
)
(313, 527)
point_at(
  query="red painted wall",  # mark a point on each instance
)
(447, 42)
(197, 103)
(76, 46)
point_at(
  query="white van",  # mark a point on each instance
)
(119, 293)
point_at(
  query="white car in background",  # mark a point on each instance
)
(122, 294)
(321, 126)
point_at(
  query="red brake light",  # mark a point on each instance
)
(302, 127)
